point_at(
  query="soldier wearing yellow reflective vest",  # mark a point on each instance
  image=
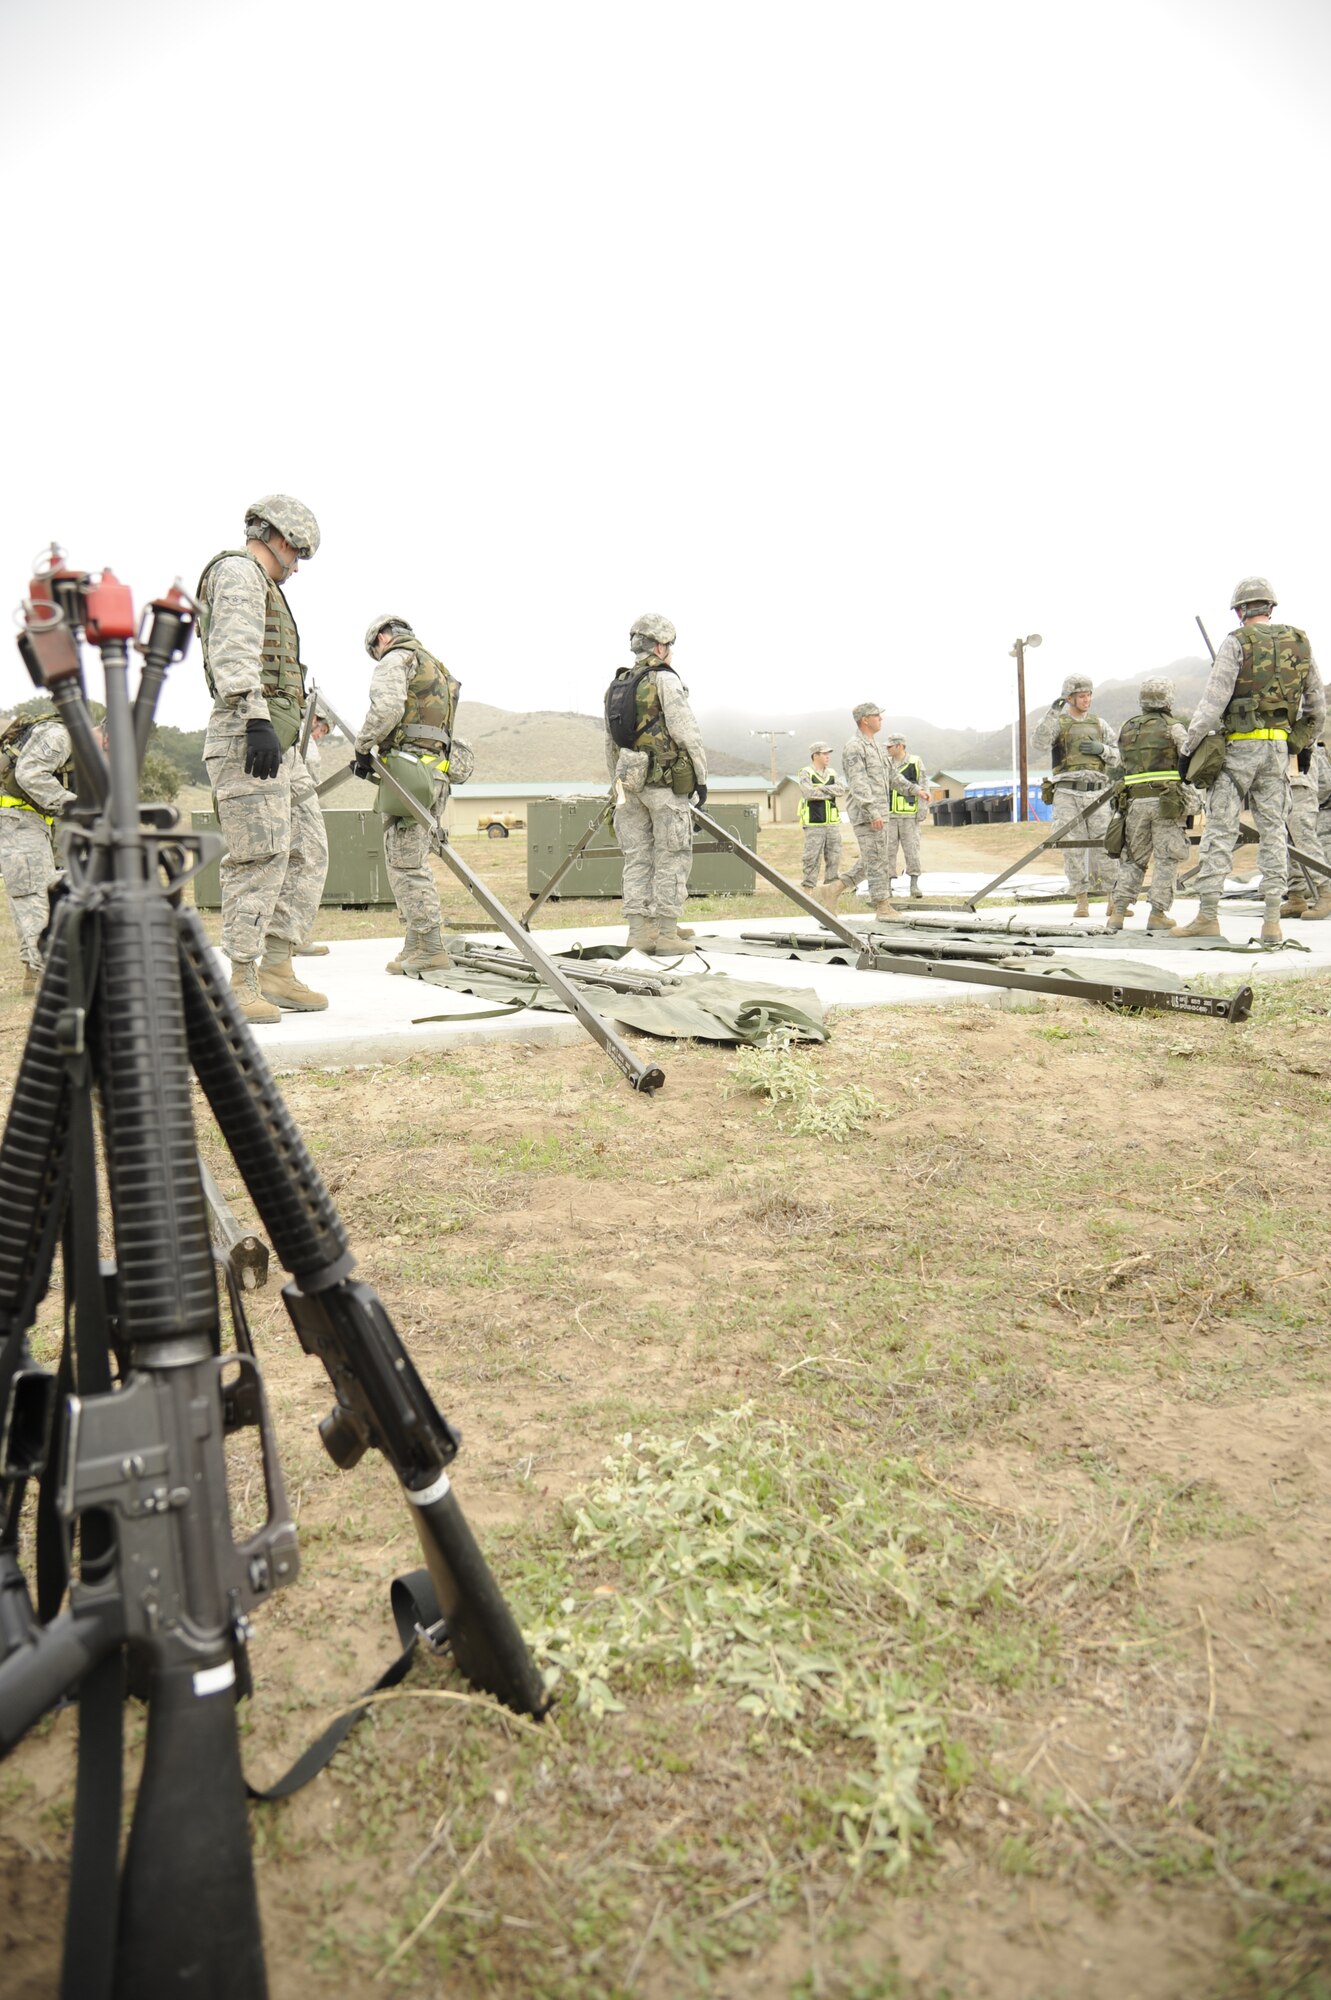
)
(1154, 802)
(36, 764)
(903, 816)
(1264, 698)
(820, 817)
(413, 706)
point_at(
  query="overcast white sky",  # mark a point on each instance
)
(857, 339)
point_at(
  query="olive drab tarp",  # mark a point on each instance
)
(707, 1006)
(280, 673)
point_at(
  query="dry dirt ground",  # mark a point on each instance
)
(955, 1621)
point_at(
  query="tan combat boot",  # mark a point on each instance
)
(32, 979)
(1294, 905)
(1083, 908)
(1114, 918)
(278, 981)
(1322, 907)
(1271, 931)
(886, 910)
(1160, 920)
(916, 892)
(642, 933)
(671, 936)
(1204, 924)
(425, 952)
(394, 965)
(308, 950)
(245, 986)
(831, 893)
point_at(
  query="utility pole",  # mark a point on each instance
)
(771, 735)
(1017, 652)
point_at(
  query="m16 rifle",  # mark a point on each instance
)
(127, 1440)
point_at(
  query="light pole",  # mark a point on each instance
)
(1018, 653)
(771, 735)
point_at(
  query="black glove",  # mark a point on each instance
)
(263, 752)
(361, 767)
(1183, 762)
(700, 794)
(1305, 760)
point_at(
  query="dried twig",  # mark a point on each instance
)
(444, 1897)
(1210, 1716)
(638, 1956)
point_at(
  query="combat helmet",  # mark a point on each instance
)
(291, 518)
(1158, 692)
(650, 630)
(376, 626)
(1250, 590)
(1077, 684)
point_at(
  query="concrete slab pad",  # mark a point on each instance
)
(373, 1017)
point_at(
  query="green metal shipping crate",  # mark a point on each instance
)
(357, 871)
(555, 826)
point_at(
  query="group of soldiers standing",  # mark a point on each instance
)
(1252, 742)
(1124, 796)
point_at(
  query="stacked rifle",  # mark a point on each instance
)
(125, 1444)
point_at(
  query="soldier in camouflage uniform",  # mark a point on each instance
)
(409, 724)
(1082, 750)
(36, 763)
(903, 819)
(656, 778)
(271, 884)
(1265, 697)
(1156, 803)
(820, 817)
(870, 777)
(1309, 787)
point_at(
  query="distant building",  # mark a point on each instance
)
(955, 784)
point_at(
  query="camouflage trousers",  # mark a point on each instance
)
(28, 867)
(903, 828)
(654, 828)
(1254, 776)
(1088, 869)
(271, 882)
(1303, 824)
(407, 854)
(309, 842)
(1150, 838)
(872, 860)
(822, 855)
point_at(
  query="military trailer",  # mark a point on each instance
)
(555, 826)
(357, 872)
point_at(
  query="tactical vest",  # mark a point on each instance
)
(670, 763)
(432, 700)
(903, 802)
(280, 672)
(1150, 761)
(1268, 689)
(1079, 744)
(818, 812)
(13, 736)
